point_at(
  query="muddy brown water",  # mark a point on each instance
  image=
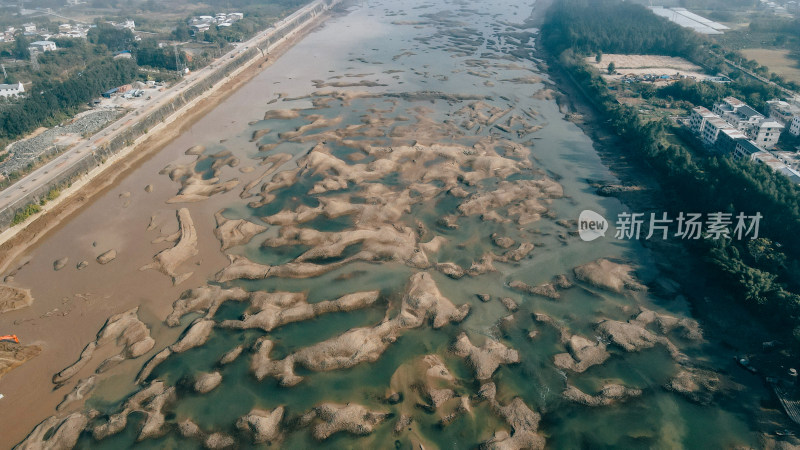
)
(423, 62)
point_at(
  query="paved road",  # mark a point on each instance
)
(760, 78)
(63, 162)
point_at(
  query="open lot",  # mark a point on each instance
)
(777, 60)
(646, 64)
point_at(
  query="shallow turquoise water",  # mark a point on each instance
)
(354, 42)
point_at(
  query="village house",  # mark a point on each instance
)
(788, 114)
(42, 46)
(11, 90)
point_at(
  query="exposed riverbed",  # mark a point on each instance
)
(396, 199)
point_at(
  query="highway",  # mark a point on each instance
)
(64, 162)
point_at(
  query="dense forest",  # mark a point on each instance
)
(763, 274)
(591, 26)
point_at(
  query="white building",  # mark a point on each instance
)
(794, 127)
(728, 138)
(738, 113)
(42, 46)
(792, 174)
(127, 24)
(711, 130)
(787, 113)
(11, 90)
(200, 27)
(791, 159)
(767, 133)
(777, 165)
(750, 139)
(698, 117)
(783, 111)
(203, 23)
(746, 149)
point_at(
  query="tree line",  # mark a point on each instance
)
(762, 274)
(591, 26)
(51, 102)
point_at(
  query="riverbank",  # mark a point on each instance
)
(392, 259)
(706, 295)
(67, 337)
(14, 240)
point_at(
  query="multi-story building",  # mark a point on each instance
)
(791, 159)
(738, 130)
(728, 105)
(783, 111)
(777, 165)
(728, 138)
(697, 119)
(746, 149)
(711, 130)
(766, 133)
(794, 127)
(740, 115)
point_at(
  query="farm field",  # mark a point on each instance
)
(777, 60)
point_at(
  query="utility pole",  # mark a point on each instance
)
(177, 67)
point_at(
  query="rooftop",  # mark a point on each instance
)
(718, 122)
(770, 124)
(749, 147)
(687, 19)
(793, 174)
(733, 133)
(769, 159)
(747, 111)
(735, 102)
(707, 22)
(703, 111)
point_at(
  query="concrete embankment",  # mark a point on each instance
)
(169, 111)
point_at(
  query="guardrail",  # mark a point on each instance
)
(98, 155)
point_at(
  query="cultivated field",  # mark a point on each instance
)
(777, 60)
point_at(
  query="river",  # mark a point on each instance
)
(446, 81)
